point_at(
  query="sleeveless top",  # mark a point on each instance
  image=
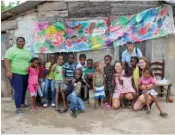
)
(99, 80)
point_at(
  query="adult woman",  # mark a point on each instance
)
(140, 102)
(17, 60)
(130, 51)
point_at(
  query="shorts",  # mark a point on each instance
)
(151, 92)
(33, 89)
(99, 93)
(60, 85)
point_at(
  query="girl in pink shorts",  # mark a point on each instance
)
(33, 82)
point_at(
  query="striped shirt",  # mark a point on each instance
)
(69, 70)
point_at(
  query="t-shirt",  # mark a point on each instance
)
(69, 70)
(89, 70)
(126, 56)
(50, 74)
(80, 66)
(41, 72)
(33, 75)
(150, 80)
(58, 73)
(136, 76)
(20, 59)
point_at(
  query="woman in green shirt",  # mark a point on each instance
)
(17, 60)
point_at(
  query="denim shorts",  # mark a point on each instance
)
(60, 85)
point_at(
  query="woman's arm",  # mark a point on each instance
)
(7, 66)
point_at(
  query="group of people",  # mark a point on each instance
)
(129, 83)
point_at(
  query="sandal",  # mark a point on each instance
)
(163, 114)
(65, 110)
(148, 111)
(59, 111)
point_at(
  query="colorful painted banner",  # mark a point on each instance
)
(74, 36)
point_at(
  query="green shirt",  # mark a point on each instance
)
(20, 59)
(58, 73)
(89, 70)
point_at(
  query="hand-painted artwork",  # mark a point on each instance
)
(74, 36)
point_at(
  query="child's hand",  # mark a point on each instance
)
(143, 87)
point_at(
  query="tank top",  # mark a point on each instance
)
(99, 80)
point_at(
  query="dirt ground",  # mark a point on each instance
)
(47, 120)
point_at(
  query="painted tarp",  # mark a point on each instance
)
(74, 36)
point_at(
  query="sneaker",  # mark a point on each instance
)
(74, 114)
(45, 105)
(53, 105)
(19, 112)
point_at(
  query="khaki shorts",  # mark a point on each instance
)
(60, 85)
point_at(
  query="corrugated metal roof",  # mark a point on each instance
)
(19, 9)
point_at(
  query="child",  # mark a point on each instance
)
(74, 97)
(41, 81)
(59, 83)
(82, 66)
(33, 82)
(128, 87)
(88, 72)
(118, 73)
(69, 69)
(109, 79)
(146, 84)
(136, 77)
(98, 84)
(49, 82)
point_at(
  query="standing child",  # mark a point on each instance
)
(88, 72)
(128, 89)
(33, 82)
(69, 69)
(82, 65)
(146, 84)
(49, 82)
(74, 97)
(109, 79)
(41, 81)
(98, 84)
(59, 83)
(136, 76)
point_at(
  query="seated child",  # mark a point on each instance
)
(136, 76)
(98, 84)
(119, 72)
(146, 84)
(74, 97)
(128, 87)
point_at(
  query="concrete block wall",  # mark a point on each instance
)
(163, 49)
(22, 25)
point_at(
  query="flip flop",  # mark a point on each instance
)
(149, 112)
(59, 111)
(65, 110)
(163, 114)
